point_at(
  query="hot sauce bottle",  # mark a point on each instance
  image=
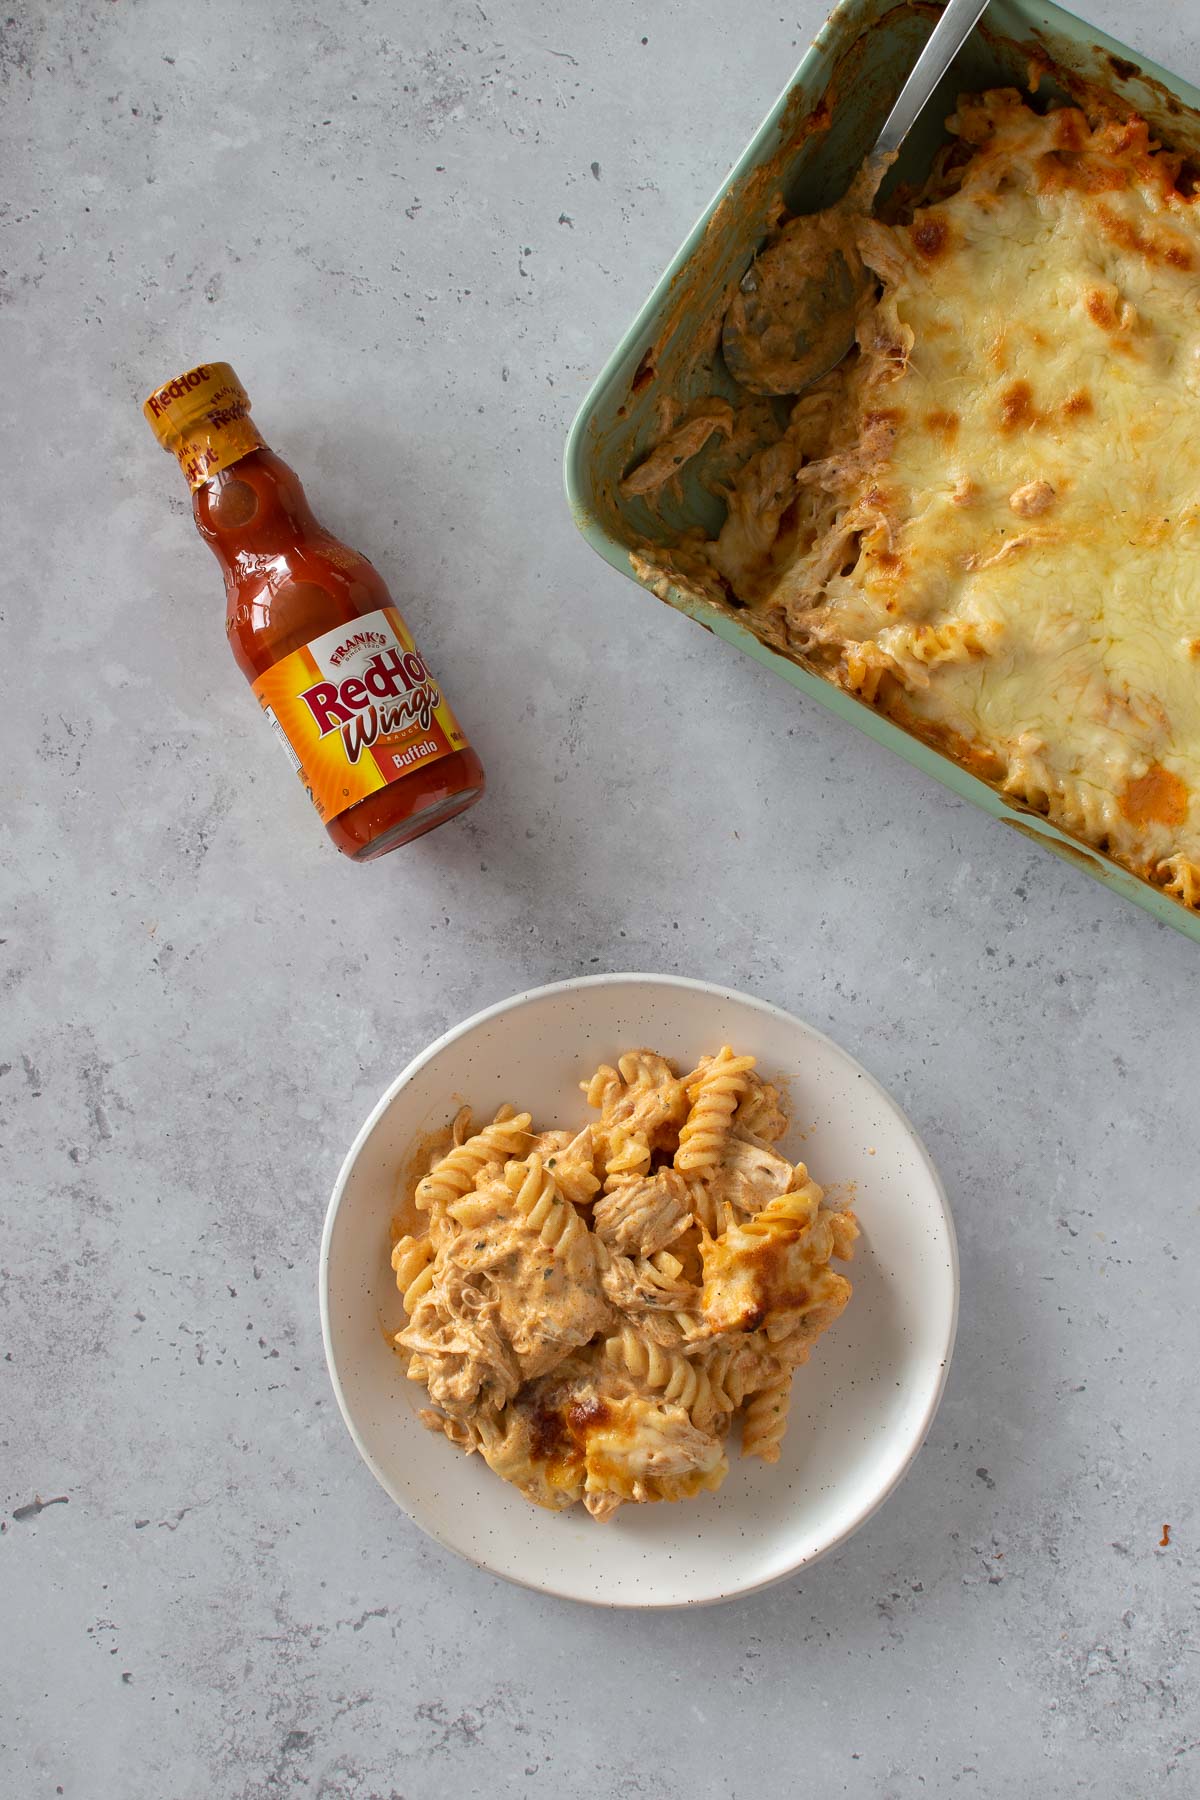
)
(313, 629)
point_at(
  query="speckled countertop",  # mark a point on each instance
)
(416, 231)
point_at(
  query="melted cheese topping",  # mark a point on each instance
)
(1032, 577)
(998, 540)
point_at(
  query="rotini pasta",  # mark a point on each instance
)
(538, 1202)
(765, 1419)
(714, 1099)
(628, 1157)
(455, 1173)
(1181, 877)
(592, 1312)
(681, 1379)
(709, 1209)
(734, 1369)
(412, 1259)
(643, 1099)
(603, 1088)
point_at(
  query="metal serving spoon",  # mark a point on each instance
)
(793, 317)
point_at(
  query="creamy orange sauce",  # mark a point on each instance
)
(1156, 798)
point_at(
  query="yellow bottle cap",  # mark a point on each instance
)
(203, 419)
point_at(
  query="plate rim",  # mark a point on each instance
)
(620, 978)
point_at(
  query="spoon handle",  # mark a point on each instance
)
(959, 19)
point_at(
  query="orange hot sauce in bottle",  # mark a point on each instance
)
(314, 631)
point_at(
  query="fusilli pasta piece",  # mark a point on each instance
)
(714, 1098)
(644, 1069)
(603, 1088)
(607, 1492)
(646, 1098)
(627, 1159)
(708, 1209)
(412, 1260)
(539, 1203)
(460, 1131)
(765, 1419)
(678, 1378)
(1181, 877)
(916, 649)
(456, 1173)
(733, 1368)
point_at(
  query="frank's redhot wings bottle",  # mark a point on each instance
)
(314, 631)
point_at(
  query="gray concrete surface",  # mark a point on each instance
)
(417, 230)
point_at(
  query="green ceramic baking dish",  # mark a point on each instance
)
(815, 136)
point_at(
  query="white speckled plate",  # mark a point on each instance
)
(860, 1408)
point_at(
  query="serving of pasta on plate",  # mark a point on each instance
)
(591, 1310)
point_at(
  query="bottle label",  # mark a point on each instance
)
(356, 709)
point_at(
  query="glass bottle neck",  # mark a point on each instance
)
(252, 510)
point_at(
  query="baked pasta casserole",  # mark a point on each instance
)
(591, 1310)
(986, 521)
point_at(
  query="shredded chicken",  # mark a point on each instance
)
(641, 1216)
